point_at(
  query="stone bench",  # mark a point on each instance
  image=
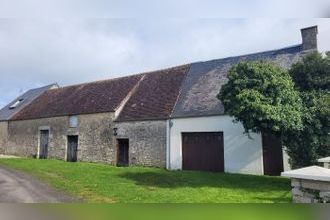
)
(310, 184)
(325, 161)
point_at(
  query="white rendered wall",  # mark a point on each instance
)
(242, 155)
(286, 165)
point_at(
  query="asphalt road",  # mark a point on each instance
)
(17, 187)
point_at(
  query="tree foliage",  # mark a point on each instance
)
(293, 104)
(312, 80)
(262, 97)
(312, 73)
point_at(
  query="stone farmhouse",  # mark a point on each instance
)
(169, 118)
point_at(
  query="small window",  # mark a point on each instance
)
(73, 121)
(17, 103)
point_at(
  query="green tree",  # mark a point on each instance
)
(312, 80)
(262, 97)
(312, 73)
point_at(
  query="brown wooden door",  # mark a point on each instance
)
(72, 148)
(203, 151)
(272, 155)
(44, 142)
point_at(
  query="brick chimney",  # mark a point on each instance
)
(309, 38)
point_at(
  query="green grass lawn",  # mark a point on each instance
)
(104, 183)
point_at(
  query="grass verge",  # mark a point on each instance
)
(104, 183)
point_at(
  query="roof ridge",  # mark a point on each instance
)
(250, 54)
(123, 77)
(97, 81)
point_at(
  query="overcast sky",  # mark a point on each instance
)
(39, 46)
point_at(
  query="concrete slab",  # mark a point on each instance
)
(324, 160)
(309, 173)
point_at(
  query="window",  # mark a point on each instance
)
(73, 121)
(16, 104)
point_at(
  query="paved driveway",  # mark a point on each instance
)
(16, 187)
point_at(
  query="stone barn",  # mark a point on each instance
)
(169, 118)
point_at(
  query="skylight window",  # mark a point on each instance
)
(17, 103)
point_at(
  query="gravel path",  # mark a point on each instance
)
(17, 187)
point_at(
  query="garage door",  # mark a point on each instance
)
(203, 151)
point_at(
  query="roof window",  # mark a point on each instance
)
(17, 103)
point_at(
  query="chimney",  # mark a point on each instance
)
(309, 38)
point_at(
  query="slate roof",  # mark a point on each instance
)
(7, 113)
(95, 97)
(204, 80)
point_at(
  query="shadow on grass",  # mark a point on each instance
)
(192, 179)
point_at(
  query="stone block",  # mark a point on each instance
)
(317, 185)
(325, 194)
(297, 192)
(327, 165)
(295, 182)
(302, 199)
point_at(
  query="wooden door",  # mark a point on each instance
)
(203, 151)
(123, 152)
(72, 148)
(44, 142)
(272, 155)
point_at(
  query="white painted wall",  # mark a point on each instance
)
(242, 155)
(286, 164)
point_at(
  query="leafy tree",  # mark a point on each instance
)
(312, 79)
(262, 97)
(294, 105)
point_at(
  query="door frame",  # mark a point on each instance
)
(117, 147)
(67, 146)
(42, 128)
(265, 159)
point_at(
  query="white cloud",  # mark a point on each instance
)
(36, 52)
(168, 8)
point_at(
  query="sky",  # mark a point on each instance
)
(70, 42)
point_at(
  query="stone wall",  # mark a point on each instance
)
(310, 191)
(94, 131)
(147, 141)
(3, 136)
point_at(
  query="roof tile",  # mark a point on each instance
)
(156, 95)
(95, 97)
